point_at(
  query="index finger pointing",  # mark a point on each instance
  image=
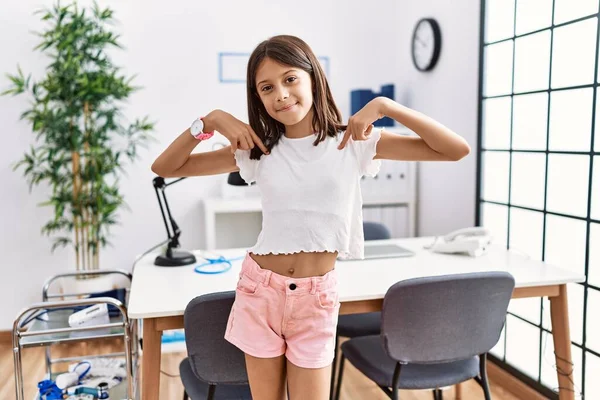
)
(258, 142)
(347, 135)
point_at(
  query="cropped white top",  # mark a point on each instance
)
(311, 197)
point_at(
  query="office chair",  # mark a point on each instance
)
(435, 332)
(363, 324)
(375, 231)
(214, 369)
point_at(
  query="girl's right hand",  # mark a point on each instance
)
(239, 134)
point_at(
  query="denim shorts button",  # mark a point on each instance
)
(293, 286)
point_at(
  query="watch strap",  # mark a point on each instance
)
(203, 135)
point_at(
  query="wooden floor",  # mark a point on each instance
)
(356, 386)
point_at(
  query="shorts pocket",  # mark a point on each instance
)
(246, 285)
(328, 299)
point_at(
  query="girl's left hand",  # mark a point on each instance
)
(361, 123)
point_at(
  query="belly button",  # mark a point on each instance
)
(291, 270)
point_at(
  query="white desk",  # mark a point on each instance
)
(159, 295)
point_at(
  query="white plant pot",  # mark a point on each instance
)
(100, 283)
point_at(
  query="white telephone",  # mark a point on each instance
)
(473, 241)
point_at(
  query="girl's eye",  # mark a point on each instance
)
(289, 79)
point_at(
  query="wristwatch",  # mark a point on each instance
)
(197, 130)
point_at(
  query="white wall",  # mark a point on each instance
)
(173, 47)
(449, 93)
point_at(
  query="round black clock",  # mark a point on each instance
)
(426, 44)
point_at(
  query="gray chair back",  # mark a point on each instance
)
(375, 231)
(213, 359)
(445, 318)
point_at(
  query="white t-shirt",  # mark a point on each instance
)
(311, 196)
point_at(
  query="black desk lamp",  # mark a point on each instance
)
(235, 179)
(177, 258)
(172, 258)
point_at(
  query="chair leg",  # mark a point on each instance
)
(437, 394)
(333, 368)
(211, 392)
(483, 374)
(340, 375)
(395, 381)
(185, 395)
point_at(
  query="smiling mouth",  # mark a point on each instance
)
(288, 107)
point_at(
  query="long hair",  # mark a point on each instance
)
(294, 52)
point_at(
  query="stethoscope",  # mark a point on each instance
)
(210, 266)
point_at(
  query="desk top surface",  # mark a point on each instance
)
(163, 291)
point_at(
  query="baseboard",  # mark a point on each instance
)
(512, 384)
(6, 337)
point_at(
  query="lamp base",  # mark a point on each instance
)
(177, 259)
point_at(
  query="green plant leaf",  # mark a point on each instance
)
(75, 115)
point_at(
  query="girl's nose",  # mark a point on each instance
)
(282, 94)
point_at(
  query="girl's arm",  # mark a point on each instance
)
(177, 160)
(209, 163)
(435, 142)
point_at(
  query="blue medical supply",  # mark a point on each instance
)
(103, 391)
(49, 391)
(171, 337)
(86, 390)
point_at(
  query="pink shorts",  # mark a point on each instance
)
(274, 315)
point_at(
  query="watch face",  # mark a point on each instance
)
(197, 127)
(426, 44)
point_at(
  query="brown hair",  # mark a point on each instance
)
(292, 51)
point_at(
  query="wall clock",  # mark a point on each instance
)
(426, 44)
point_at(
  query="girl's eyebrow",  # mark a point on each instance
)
(285, 73)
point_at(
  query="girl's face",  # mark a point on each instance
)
(285, 91)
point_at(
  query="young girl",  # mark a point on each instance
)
(308, 168)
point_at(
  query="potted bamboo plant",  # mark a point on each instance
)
(82, 141)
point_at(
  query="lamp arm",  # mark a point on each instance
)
(171, 226)
(159, 188)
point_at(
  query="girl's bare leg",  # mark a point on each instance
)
(308, 383)
(267, 377)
